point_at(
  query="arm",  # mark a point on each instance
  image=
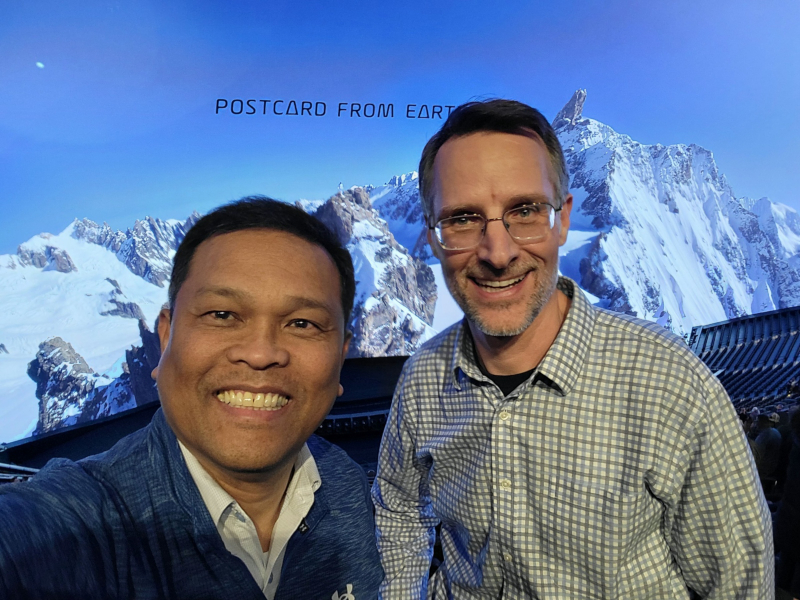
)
(405, 523)
(720, 530)
(46, 547)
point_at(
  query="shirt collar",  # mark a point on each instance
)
(305, 480)
(563, 362)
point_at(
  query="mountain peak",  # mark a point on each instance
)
(572, 111)
(398, 180)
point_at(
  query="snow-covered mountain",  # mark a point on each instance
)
(78, 310)
(656, 231)
(398, 204)
(395, 293)
(72, 304)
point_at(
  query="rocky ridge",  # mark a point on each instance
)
(703, 255)
(70, 392)
(395, 291)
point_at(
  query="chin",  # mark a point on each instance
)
(499, 324)
(500, 330)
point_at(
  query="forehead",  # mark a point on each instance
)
(488, 168)
(263, 263)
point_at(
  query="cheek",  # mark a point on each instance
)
(184, 362)
(454, 266)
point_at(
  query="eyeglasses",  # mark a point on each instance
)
(528, 223)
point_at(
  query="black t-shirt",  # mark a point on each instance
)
(508, 383)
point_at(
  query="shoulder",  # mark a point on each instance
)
(344, 491)
(611, 323)
(82, 478)
(435, 357)
(81, 487)
(333, 463)
(123, 455)
(658, 365)
(52, 513)
(644, 341)
(131, 464)
(60, 485)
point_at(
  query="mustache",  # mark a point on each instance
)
(487, 271)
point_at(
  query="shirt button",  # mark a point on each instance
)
(507, 557)
(505, 415)
(505, 484)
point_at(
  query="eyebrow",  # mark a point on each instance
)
(511, 203)
(225, 292)
(294, 302)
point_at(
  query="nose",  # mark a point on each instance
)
(259, 347)
(497, 247)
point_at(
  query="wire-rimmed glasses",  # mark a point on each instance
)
(525, 224)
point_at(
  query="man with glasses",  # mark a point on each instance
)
(564, 451)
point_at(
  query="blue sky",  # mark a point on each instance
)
(119, 121)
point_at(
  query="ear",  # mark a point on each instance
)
(164, 327)
(566, 210)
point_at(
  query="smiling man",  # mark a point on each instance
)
(226, 494)
(564, 451)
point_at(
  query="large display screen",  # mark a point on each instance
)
(122, 122)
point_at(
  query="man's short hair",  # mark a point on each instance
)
(260, 212)
(501, 116)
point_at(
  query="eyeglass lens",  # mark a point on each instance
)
(525, 223)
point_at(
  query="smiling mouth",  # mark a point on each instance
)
(497, 286)
(251, 401)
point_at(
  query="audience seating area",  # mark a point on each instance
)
(757, 358)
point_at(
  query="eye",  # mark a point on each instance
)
(529, 210)
(462, 221)
(302, 324)
(219, 317)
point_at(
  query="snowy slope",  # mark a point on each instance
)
(669, 241)
(395, 291)
(77, 306)
(656, 231)
(42, 302)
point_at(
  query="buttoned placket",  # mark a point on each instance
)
(505, 455)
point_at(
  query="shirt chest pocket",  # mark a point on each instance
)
(590, 529)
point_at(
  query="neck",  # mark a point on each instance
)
(260, 495)
(519, 353)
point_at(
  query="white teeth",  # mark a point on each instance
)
(251, 401)
(499, 284)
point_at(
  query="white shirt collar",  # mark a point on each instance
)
(305, 479)
(237, 530)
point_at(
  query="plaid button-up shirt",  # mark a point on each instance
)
(617, 470)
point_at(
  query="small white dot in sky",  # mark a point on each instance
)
(40, 65)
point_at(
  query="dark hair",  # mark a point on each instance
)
(259, 212)
(502, 116)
